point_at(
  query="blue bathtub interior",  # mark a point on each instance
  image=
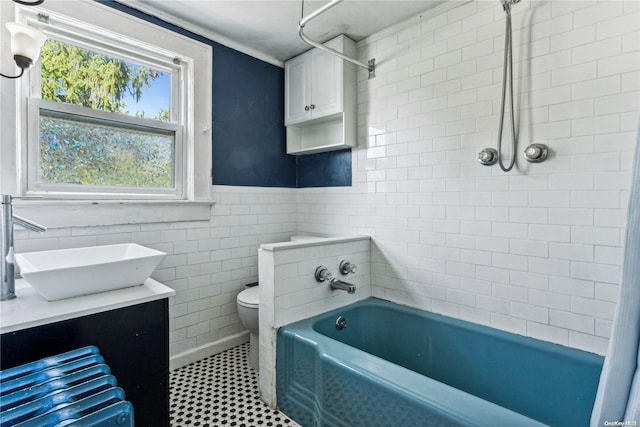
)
(394, 365)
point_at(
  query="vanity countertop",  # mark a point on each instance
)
(29, 309)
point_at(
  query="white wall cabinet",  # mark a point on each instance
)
(320, 99)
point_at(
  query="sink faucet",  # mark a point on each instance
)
(7, 263)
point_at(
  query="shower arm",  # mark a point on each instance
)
(370, 66)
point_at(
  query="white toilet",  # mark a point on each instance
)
(248, 303)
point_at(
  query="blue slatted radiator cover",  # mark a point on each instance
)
(71, 389)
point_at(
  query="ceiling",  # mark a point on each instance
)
(270, 27)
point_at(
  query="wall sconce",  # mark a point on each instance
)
(25, 45)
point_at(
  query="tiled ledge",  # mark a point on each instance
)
(308, 241)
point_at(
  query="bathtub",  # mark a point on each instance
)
(397, 366)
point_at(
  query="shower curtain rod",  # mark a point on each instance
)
(370, 66)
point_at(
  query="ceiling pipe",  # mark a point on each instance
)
(370, 66)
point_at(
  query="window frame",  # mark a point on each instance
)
(197, 82)
(97, 39)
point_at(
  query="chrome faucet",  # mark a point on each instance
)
(344, 286)
(7, 263)
(323, 274)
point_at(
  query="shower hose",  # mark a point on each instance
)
(508, 63)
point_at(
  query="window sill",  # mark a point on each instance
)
(90, 213)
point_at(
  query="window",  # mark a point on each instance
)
(104, 116)
(111, 108)
(75, 148)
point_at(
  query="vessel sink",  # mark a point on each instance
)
(69, 273)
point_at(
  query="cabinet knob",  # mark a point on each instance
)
(306, 108)
(311, 107)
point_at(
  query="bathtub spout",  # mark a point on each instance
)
(344, 286)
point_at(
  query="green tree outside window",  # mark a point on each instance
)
(80, 152)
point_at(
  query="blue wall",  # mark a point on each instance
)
(331, 169)
(248, 122)
(249, 142)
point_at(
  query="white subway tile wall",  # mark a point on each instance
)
(207, 263)
(289, 292)
(299, 296)
(536, 251)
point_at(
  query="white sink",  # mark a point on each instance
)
(69, 273)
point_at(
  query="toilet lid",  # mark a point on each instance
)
(249, 297)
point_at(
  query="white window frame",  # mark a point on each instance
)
(90, 37)
(196, 81)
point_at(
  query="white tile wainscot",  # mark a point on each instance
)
(289, 291)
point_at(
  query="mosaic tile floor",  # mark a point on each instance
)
(221, 390)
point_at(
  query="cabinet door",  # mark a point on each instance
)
(326, 84)
(297, 88)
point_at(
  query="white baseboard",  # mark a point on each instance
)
(190, 356)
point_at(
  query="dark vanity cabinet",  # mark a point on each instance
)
(133, 340)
